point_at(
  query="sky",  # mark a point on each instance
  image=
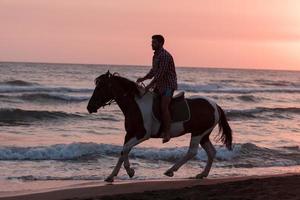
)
(199, 33)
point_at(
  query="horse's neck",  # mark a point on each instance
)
(123, 100)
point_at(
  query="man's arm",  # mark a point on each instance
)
(150, 75)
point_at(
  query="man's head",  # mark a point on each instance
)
(157, 42)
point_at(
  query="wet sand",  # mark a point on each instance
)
(285, 186)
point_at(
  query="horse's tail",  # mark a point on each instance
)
(224, 127)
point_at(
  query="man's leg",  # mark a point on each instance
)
(165, 102)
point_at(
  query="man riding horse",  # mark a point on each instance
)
(164, 81)
(197, 116)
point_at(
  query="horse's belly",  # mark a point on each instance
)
(176, 128)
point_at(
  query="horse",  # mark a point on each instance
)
(205, 114)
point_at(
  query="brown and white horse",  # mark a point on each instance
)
(204, 116)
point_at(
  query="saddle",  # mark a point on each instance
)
(179, 109)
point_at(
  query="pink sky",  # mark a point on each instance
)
(204, 33)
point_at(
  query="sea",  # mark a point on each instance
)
(48, 139)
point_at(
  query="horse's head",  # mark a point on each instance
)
(102, 92)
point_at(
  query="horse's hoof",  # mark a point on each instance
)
(130, 172)
(169, 173)
(109, 179)
(201, 176)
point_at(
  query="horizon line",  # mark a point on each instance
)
(137, 65)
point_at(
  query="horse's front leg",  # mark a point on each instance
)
(124, 158)
(130, 171)
(116, 170)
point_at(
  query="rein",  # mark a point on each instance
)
(109, 102)
(113, 99)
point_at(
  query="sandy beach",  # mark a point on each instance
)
(285, 186)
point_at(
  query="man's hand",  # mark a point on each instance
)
(143, 90)
(140, 80)
(147, 88)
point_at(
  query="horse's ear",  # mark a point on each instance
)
(108, 73)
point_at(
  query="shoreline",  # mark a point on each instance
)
(167, 188)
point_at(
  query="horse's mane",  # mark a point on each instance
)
(127, 84)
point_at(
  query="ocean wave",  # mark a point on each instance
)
(75, 177)
(18, 116)
(42, 89)
(18, 83)
(275, 82)
(295, 148)
(243, 155)
(13, 115)
(251, 155)
(45, 97)
(47, 178)
(215, 88)
(248, 98)
(198, 87)
(261, 112)
(52, 97)
(245, 97)
(18, 86)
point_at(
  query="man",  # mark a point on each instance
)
(164, 81)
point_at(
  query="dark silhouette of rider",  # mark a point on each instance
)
(164, 82)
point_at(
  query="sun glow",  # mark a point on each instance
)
(248, 34)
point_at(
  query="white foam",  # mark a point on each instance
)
(17, 89)
(208, 88)
(78, 150)
(242, 156)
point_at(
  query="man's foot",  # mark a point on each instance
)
(166, 138)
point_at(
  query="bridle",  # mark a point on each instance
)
(111, 101)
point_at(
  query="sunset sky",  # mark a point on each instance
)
(205, 33)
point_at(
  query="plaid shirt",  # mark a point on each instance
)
(163, 71)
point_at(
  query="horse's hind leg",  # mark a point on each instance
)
(211, 153)
(130, 171)
(193, 149)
